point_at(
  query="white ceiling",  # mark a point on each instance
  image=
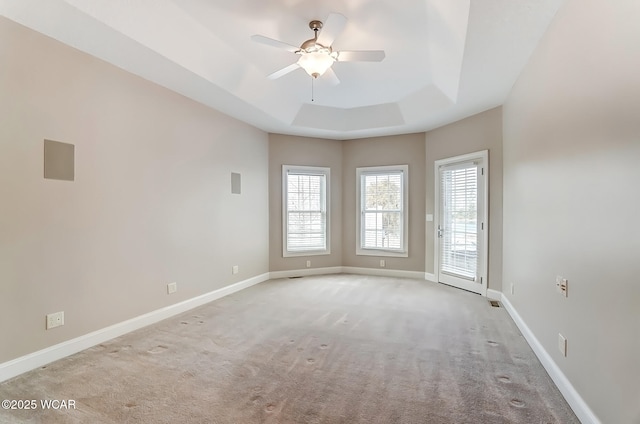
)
(445, 59)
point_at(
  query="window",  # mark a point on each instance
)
(305, 205)
(382, 210)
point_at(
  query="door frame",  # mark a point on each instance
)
(483, 256)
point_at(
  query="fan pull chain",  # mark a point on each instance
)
(312, 89)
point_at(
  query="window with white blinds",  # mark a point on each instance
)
(459, 201)
(382, 220)
(305, 216)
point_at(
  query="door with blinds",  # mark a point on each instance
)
(461, 225)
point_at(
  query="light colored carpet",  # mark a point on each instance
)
(327, 349)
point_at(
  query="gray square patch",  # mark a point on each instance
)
(59, 160)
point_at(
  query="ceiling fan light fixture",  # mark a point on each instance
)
(316, 63)
(316, 55)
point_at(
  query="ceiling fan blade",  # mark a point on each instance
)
(331, 77)
(274, 43)
(283, 71)
(361, 56)
(331, 29)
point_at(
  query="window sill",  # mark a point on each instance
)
(382, 252)
(287, 254)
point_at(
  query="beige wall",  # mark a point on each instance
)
(291, 150)
(150, 203)
(479, 132)
(571, 200)
(393, 150)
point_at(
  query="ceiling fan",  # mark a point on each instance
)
(316, 54)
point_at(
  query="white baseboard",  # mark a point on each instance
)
(383, 272)
(489, 293)
(346, 270)
(494, 294)
(573, 398)
(305, 272)
(42, 357)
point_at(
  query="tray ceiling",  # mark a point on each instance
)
(445, 59)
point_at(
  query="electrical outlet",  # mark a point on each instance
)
(562, 285)
(513, 286)
(55, 320)
(172, 288)
(235, 269)
(382, 263)
(562, 344)
(308, 264)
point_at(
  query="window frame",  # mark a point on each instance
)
(403, 251)
(326, 196)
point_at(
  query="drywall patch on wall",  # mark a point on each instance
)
(236, 183)
(59, 160)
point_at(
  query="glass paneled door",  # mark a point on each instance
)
(461, 224)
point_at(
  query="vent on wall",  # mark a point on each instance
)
(494, 303)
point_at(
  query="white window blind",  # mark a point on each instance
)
(305, 214)
(459, 199)
(383, 209)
